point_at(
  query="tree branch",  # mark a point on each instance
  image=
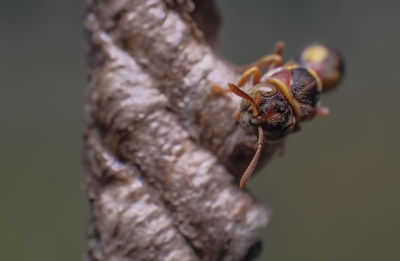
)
(163, 151)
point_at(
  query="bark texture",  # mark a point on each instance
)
(162, 150)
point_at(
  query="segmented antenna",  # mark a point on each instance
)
(250, 169)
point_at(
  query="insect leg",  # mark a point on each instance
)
(322, 111)
(247, 74)
(237, 116)
(219, 89)
(245, 77)
(271, 59)
(279, 47)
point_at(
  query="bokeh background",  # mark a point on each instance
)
(334, 195)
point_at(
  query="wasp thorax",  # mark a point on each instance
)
(325, 61)
(275, 116)
(306, 90)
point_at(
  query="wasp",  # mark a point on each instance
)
(285, 95)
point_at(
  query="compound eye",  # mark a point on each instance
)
(267, 90)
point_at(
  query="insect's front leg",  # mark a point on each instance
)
(253, 71)
(271, 61)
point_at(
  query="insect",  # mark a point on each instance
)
(286, 95)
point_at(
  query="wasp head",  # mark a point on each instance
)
(275, 115)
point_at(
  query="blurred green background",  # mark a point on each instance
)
(334, 195)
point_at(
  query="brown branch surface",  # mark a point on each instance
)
(162, 150)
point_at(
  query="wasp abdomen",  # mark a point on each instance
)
(326, 61)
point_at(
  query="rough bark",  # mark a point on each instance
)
(162, 150)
